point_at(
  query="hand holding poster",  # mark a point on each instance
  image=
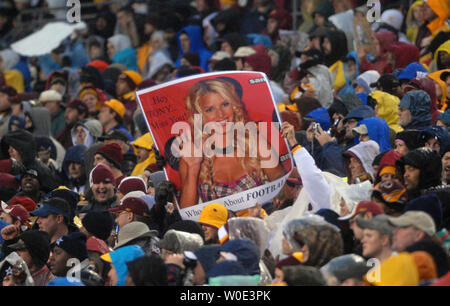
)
(219, 134)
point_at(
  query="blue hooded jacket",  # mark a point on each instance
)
(119, 259)
(321, 116)
(227, 267)
(247, 254)
(440, 133)
(207, 256)
(196, 45)
(419, 104)
(74, 154)
(378, 131)
(127, 57)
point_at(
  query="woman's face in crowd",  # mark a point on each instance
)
(272, 25)
(417, 13)
(226, 47)
(91, 102)
(111, 50)
(401, 147)
(216, 108)
(326, 46)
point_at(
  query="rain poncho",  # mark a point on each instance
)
(13, 259)
(418, 102)
(366, 153)
(378, 131)
(145, 142)
(322, 83)
(387, 106)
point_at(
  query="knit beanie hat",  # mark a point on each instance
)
(112, 152)
(260, 62)
(430, 204)
(26, 202)
(132, 78)
(37, 243)
(101, 173)
(132, 183)
(74, 244)
(99, 223)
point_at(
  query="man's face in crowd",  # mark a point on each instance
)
(99, 159)
(122, 86)
(447, 83)
(142, 154)
(446, 166)
(411, 177)
(433, 144)
(76, 170)
(405, 116)
(349, 125)
(226, 47)
(373, 242)
(51, 106)
(110, 50)
(6, 217)
(357, 231)
(123, 218)
(428, 12)
(103, 191)
(4, 102)
(185, 43)
(404, 237)
(13, 153)
(356, 168)
(26, 256)
(72, 116)
(50, 223)
(91, 102)
(58, 262)
(30, 184)
(105, 115)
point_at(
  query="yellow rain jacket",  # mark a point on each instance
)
(411, 24)
(445, 47)
(337, 70)
(145, 142)
(387, 105)
(14, 78)
(442, 9)
(436, 76)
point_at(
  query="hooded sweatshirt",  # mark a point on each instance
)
(378, 132)
(196, 45)
(159, 59)
(322, 83)
(412, 25)
(442, 10)
(366, 153)
(418, 103)
(93, 129)
(146, 142)
(41, 127)
(74, 154)
(427, 85)
(25, 144)
(436, 76)
(387, 106)
(445, 47)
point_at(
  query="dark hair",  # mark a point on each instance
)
(116, 116)
(148, 271)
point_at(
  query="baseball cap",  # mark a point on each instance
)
(361, 130)
(132, 76)
(363, 207)
(219, 55)
(418, 219)
(214, 214)
(116, 106)
(17, 211)
(244, 52)
(53, 206)
(412, 71)
(379, 223)
(114, 134)
(132, 204)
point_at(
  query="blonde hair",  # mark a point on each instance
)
(227, 90)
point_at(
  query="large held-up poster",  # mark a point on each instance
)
(219, 135)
